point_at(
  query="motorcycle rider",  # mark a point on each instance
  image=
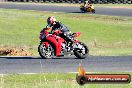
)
(86, 4)
(53, 25)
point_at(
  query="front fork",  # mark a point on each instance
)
(78, 45)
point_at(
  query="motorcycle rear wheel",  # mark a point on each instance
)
(46, 52)
(81, 53)
(93, 11)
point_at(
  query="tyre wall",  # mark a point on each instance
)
(80, 1)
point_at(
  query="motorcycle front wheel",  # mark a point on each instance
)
(81, 52)
(82, 10)
(81, 80)
(45, 52)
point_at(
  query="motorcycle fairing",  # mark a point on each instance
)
(46, 44)
(56, 41)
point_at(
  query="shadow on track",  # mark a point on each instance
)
(81, 12)
(74, 12)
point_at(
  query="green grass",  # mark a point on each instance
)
(52, 80)
(19, 28)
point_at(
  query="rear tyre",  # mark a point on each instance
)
(46, 52)
(81, 52)
(93, 11)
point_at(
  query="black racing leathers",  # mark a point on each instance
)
(66, 34)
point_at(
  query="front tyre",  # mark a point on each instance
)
(82, 51)
(82, 10)
(45, 52)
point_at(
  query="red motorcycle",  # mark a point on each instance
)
(52, 45)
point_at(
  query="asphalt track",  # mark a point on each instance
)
(67, 9)
(66, 64)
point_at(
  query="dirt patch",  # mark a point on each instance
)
(101, 18)
(14, 52)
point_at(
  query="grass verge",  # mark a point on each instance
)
(105, 35)
(52, 80)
